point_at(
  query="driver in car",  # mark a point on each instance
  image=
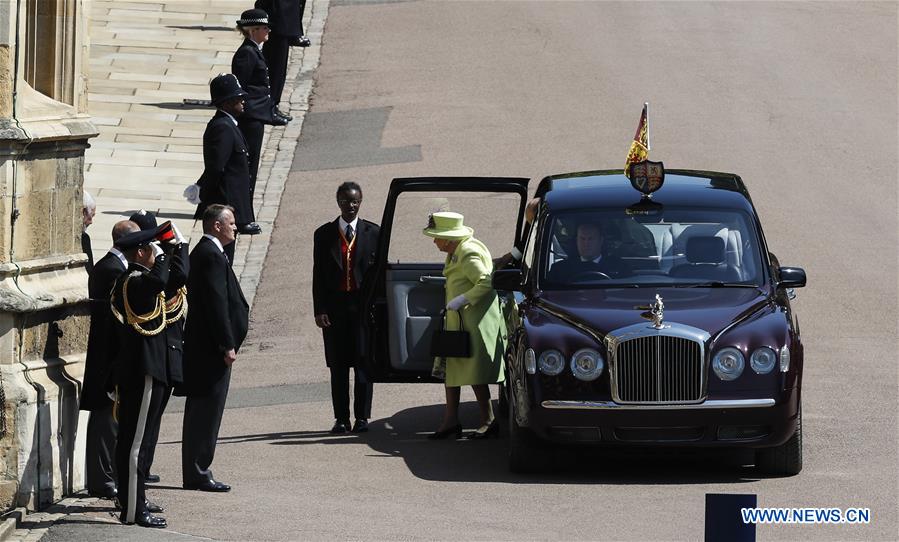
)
(590, 263)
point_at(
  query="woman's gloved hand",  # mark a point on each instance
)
(457, 303)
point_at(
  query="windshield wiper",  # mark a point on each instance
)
(718, 284)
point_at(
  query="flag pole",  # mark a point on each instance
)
(648, 146)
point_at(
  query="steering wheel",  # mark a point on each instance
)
(589, 275)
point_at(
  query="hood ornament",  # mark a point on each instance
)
(654, 313)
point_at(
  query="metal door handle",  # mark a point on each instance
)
(431, 280)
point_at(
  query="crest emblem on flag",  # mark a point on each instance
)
(639, 150)
(647, 177)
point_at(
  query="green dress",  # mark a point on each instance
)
(468, 272)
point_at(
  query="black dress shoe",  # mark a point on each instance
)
(485, 431)
(152, 479)
(278, 120)
(209, 485)
(340, 428)
(146, 519)
(455, 430)
(249, 229)
(301, 41)
(105, 493)
(280, 113)
(361, 426)
(153, 508)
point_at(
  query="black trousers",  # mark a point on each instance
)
(340, 394)
(100, 451)
(252, 130)
(140, 401)
(200, 431)
(276, 51)
(154, 436)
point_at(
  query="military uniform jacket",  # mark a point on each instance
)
(141, 354)
(251, 70)
(103, 340)
(226, 170)
(174, 330)
(217, 319)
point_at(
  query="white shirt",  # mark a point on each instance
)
(596, 260)
(343, 224)
(118, 254)
(215, 240)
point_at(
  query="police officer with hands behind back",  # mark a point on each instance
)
(226, 173)
(138, 303)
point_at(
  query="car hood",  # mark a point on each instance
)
(608, 309)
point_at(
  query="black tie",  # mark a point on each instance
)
(349, 233)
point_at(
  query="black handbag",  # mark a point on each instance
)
(450, 344)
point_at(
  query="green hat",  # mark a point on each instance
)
(447, 225)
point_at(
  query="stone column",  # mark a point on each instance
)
(44, 130)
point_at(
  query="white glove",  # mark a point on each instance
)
(157, 250)
(457, 303)
(192, 194)
(178, 236)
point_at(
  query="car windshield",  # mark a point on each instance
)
(678, 247)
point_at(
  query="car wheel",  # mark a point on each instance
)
(783, 460)
(525, 453)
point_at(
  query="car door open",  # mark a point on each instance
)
(404, 292)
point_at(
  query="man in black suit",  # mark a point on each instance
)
(142, 372)
(343, 251)
(175, 310)
(99, 382)
(251, 69)
(286, 23)
(216, 326)
(590, 263)
(226, 172)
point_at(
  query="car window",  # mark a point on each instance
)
(677, 247)
(494, 217)
(527, 260)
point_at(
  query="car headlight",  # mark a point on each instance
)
(587, 364)
(728, 363)
(551, 362)
(530, 361)
(763, 360)
(784, 358)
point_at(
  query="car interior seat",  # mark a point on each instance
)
(706, 259)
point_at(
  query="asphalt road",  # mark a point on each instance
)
(798, 98)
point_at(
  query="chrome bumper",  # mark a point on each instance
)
(609, 405)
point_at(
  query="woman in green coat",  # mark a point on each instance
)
(469, 293)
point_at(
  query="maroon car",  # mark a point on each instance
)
(652, 320)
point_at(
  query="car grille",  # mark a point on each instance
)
(659, 369)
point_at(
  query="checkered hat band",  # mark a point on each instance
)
(248, 22)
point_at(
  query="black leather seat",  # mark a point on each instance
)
(706, 260)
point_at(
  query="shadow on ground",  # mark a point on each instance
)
(403, 435)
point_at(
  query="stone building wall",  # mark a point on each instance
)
(44, 131)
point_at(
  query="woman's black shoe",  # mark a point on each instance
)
(443, 433)
(491, 430)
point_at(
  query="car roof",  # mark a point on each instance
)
(610, 188)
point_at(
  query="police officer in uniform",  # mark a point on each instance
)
(226, 173)
(138, 305)
(286, 23)
(251, 69)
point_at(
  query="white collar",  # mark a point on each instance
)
(215, 240)
(595, 260)
(118, 254)
(230, 116)
(343, 224)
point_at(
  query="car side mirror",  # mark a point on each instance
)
(507, 279)
(791, 277)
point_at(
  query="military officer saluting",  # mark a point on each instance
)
(138, 304)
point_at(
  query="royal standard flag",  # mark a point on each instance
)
(639, 150)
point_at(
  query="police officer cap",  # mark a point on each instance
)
(253, 17)
(224, 87)
(145, 219)
(137, 239)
